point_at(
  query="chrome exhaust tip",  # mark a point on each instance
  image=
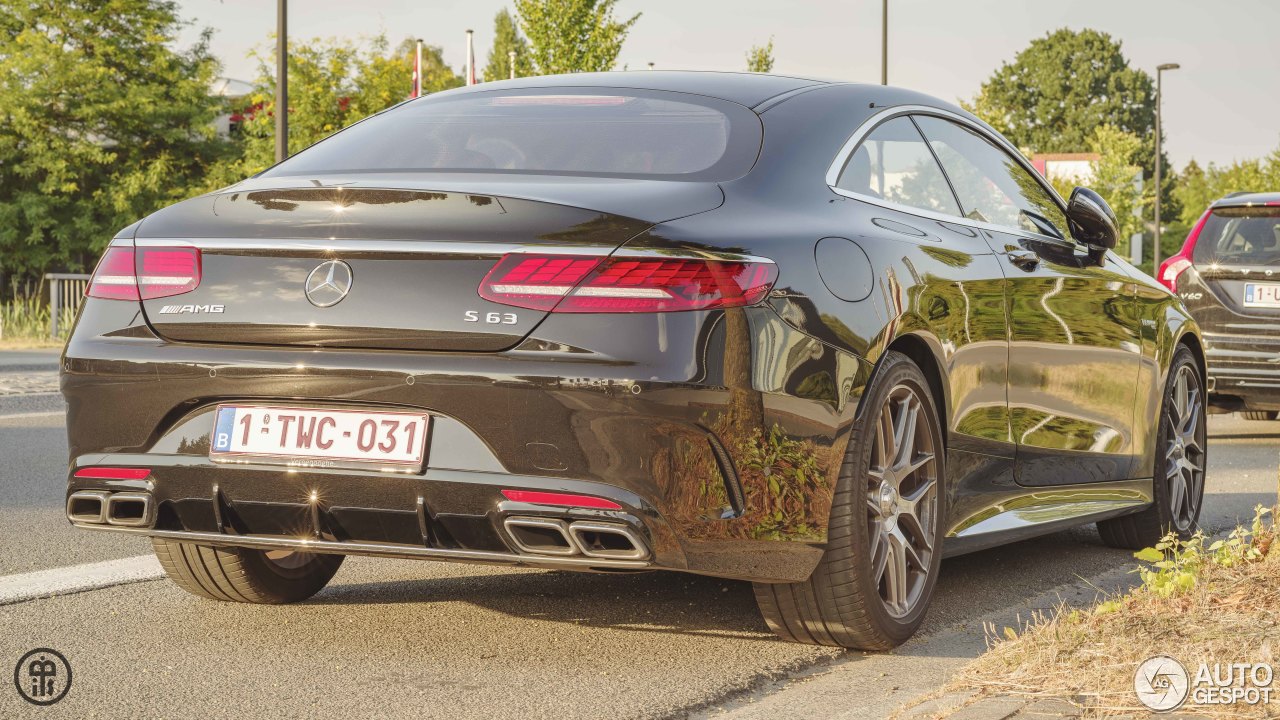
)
(608, 540)
(129, 509)
(540, 536)
(87, 507)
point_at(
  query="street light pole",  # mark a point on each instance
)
(282, 80)
(884, 43)
(417, 71)
(1155, 246)
(511, 61)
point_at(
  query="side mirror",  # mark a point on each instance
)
(1092, 220)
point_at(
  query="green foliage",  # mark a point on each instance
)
(760, 58)
(1198, 187)
(507, 38)
(1062, 87)
(332, 84)
(789, 474)
(1176, 564)
(102, 121)
(568, 36)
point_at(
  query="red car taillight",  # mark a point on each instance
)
(1173, 267)
(586, 284)
(145, 273)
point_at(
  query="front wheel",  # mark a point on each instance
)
(874, 583)
(1178, 479)
(244, 575)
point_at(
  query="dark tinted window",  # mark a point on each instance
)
(569, 131)
(1247, 236)
(991, 185)
(894, 163)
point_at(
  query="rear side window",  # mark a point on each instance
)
(894, 163)
(1240, 235)
(991, 185)
(598, 132)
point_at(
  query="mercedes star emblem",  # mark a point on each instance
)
(329, 283)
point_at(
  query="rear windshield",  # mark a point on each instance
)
(1240, 235)
(600, 132)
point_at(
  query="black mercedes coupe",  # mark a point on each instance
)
(814, 335)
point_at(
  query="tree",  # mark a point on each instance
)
(1062, 87)
(507, 39)
(102, 121)
(568, 36)
(760, 58)
(1197, 187)
(332, 84)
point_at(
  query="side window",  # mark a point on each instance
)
(991, 185)
(893, 163)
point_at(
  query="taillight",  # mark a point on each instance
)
(1173, 267)
(145, 273)
(622, 284)
(536, 497)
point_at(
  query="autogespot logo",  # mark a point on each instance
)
(1161, 683)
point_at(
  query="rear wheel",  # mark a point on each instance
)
(1260, 415)
(874, 583)
(244, 575)
(1178, 486)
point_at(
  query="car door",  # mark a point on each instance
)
(1074, 350)
(940, 271)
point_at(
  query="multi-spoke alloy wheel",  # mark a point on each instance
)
(873, 585)
(1184, 454)
(1178, 476)
(902, 493)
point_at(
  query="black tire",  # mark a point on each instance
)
(1145, 529)
(1260, 415)
(244, 575)
(841, 604)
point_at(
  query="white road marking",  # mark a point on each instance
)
(78, 578)
(21, 416)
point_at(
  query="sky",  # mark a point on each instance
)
(1222, 105)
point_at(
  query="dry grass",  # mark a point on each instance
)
(1214, 602)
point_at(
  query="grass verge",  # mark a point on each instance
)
(1200, 601)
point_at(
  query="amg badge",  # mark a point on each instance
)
(193, 309)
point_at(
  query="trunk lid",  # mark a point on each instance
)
(410, 259)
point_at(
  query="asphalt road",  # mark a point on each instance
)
(410, 639)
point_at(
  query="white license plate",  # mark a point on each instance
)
(1262, 295)
(316, 437)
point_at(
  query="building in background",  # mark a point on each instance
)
(235, 92)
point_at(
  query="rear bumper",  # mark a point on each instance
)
(1244, 372)
(648, 435)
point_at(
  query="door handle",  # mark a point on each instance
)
(1025, 259)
